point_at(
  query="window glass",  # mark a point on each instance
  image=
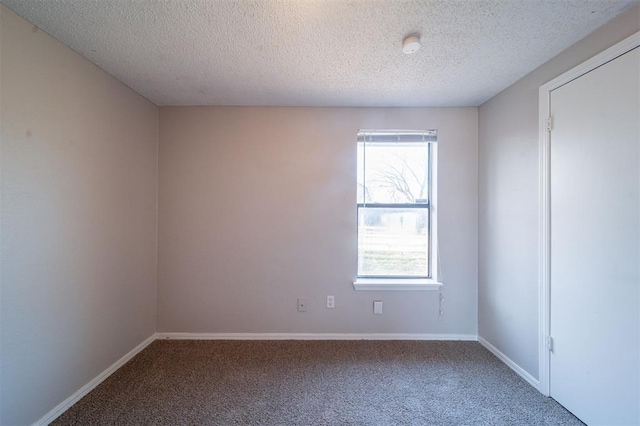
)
(393, 241)
(392, 172)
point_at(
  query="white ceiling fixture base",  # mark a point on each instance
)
(411, 44)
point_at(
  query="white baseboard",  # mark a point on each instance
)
(314, 336)
(515, 367)
(67, 403)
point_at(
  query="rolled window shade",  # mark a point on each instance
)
(401, 136)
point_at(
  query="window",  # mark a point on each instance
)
(397, 226)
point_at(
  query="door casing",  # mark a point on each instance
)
(544, 215)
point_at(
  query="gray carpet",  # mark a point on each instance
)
(315, 383)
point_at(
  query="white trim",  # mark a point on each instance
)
(544, 226)
(67, 403)
(315, 336)
(600, 59)
(396, 284)
(515, 367)
(433, 210)
(433, 282)
(544, 241)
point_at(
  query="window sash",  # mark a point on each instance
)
(364, 146)
(427, 238)
(394, 205)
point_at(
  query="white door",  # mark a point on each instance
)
(595, 243)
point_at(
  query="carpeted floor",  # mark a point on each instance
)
(315, 383)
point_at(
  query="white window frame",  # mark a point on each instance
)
(410, 283)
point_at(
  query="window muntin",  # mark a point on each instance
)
(394, 204)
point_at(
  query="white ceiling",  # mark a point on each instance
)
(318, 52)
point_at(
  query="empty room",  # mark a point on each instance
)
(320, 212)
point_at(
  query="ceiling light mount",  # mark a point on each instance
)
(411, 44)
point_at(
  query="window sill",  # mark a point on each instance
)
(396, 284)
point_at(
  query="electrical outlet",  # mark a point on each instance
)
(377, 307)
(302, 304)
(331, 302)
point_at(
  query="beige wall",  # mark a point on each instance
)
(79, 154)
(508, 200)
(257, 208)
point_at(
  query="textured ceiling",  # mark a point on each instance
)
(318, 52)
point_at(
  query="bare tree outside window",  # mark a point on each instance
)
(403, 183)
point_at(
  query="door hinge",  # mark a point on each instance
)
(549, 124)
(550, 343)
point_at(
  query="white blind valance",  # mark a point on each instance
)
(400, 136)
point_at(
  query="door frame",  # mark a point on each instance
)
(544, 215)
